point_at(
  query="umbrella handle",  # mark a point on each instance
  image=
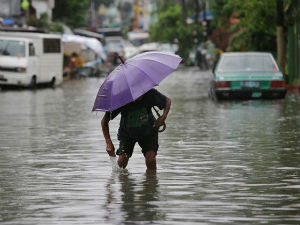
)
(121, 59)
(164, 126)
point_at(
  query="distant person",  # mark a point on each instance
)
(137, 124)
(201, 58)
(115, 59)
(76, 62)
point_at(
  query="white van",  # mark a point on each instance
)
(28, 59)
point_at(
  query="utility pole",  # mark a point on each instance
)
(25, 7)
(197, 11)
(184, 11)
(204, 21)
(92, 14)
(293, 8)
(136, 9)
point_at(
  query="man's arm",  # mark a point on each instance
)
(110, 148)
(160, 120)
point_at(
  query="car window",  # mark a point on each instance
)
(239, 63)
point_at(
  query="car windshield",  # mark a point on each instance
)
(239, 63)
(12, 48)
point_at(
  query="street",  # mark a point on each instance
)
(228, 162)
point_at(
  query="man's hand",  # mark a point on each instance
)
(161, 119)
(159, 122)
(110, 149)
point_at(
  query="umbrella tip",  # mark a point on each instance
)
(122, 60)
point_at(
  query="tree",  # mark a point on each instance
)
(71, 12)
(281, 44)
(171, 28)
(256, 29)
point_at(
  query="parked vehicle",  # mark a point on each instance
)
(114, 45)
(247, 75)
(138, 38)
(114, 42)
(90, 69)
(29, 59)
(129, 49)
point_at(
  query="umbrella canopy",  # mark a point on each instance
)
(133, 78)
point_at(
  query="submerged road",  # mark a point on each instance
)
(231, 162)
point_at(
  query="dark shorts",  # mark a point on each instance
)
(147, 143)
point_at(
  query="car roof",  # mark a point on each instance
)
(246, 53)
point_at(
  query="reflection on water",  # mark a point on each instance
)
(231, 162)
(136, 198)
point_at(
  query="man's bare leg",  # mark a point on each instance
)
(150, 159)
(123, 160)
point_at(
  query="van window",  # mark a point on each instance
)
(12, 48)
(31, 49)
(51, 45)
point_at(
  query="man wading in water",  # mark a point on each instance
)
(137, 124)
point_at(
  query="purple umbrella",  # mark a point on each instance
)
(133, 78)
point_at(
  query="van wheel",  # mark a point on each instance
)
(52, 83)
(33, 82)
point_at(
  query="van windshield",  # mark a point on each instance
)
(12, 48)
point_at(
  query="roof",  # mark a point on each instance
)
(20, 29)
(14, 38)
(29, 35)
(88, 33)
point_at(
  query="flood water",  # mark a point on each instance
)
(232, 162)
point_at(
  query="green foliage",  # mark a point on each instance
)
(44, 23)
(256, 15)
(292, 11)
(55, 27)
(171, 28)
(220, 11)
(257, 28)
(71, 12)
